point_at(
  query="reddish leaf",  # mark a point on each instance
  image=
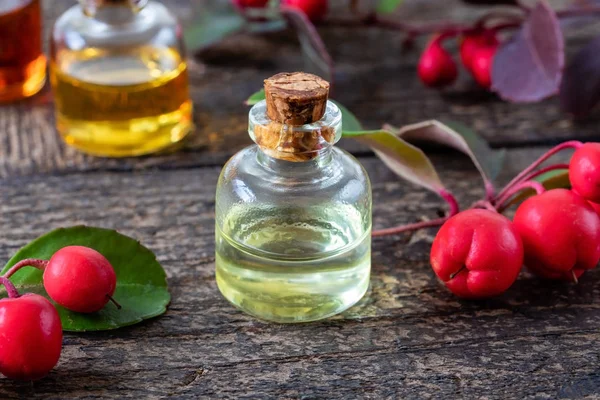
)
(461, 138)
(311, 43)
(404, 159)
(528, 67)
(580, 88)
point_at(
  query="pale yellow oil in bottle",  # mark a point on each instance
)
(121, 103)
(285, 266)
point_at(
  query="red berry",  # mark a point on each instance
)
(473, 42)
(30, 337)
(251, 3)
(481, 65)
(477, 253)
(80, 279)
(560, 232)
(596, 207)
(315, 10)
(436, 67)
(584, 171)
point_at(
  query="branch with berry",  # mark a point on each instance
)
(516, 51)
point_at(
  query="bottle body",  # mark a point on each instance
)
(22, 63)
(293, 239)
(120, 79)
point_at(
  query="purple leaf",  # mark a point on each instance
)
(310, 41)
(528, 67)
(580, 88)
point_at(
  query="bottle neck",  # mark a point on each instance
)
(112, 11)
(321, 160)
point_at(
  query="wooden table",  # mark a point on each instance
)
(409, 338)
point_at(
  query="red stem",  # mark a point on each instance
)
(490, 191)
(451, 200)
(454, 209)
(572, 144)
(28, 262)
(538, 187)
(542, 171)
(485, 205)
(10, 288)
(409, 227)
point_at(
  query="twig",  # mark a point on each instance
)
(572, 144)
(409, 227)
(486, 205)
(538, 187)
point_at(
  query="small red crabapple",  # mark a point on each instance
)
(436, 67)
(477, 253)
(30, 337)
(315, 10)
(584, 171)
(561, 234)
(80, 279)
(481, 65)
(472, 42)
(596, 207)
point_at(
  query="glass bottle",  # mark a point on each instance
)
(22, 63)
(119, 77)
(293, 213)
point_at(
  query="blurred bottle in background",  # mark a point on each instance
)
(22, 64)
(119, 77)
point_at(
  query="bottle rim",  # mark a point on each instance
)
(284, 141)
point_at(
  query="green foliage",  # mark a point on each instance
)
(388, 6)
(141, 281)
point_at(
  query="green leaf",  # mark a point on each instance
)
(349, 121)
(141, 281)
(213, 26)
(388, 6)
(404, 159)
(256, 97)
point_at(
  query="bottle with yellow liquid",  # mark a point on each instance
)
(119, 78)
(22, 64)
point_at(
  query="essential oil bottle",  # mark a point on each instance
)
(293, 213)
(22, 63)
(119, 77)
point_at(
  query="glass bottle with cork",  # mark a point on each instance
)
(22, 63)
(119, 77)
(293, 212)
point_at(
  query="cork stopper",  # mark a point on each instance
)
(296, 98)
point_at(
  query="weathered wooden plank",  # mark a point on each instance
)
(375, 78)
(409, 338)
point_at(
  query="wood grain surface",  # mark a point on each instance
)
(408, 338)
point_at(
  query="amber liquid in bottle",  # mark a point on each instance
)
(22, 64)
(122, 102)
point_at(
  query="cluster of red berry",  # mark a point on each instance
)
(79, 279)
(437, 68)
(479, 253)
(315, 10)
